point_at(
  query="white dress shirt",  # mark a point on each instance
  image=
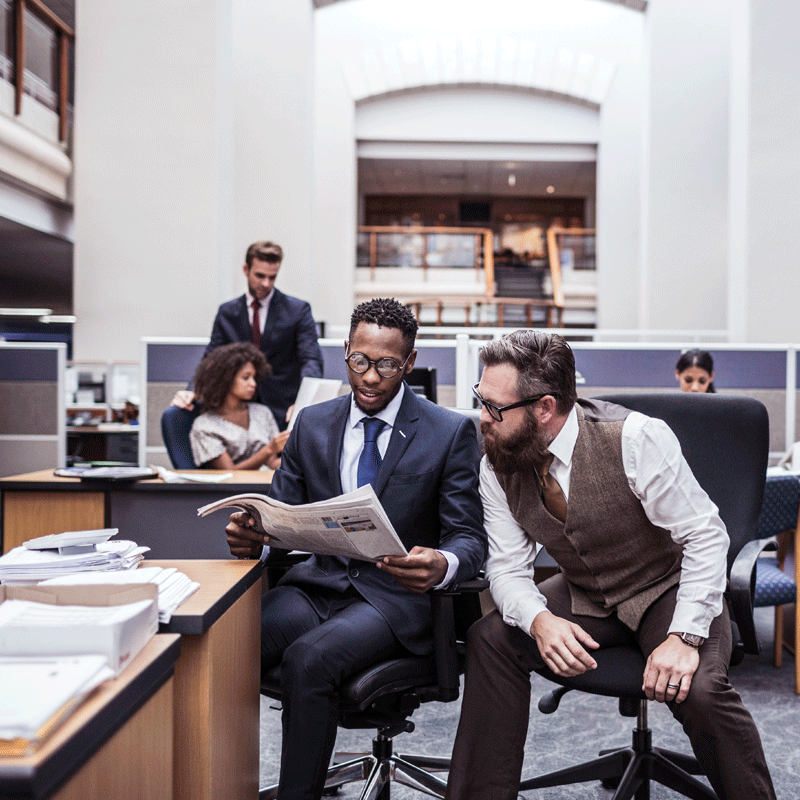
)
(672, 499)
(263, 310)
(352, 446)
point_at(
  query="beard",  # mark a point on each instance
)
(525, 451)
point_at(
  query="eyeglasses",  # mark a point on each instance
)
(385, 367)
(496, 412)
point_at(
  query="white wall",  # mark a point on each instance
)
(273, 56)
(686, 162)
(153, 176)
(772, 204)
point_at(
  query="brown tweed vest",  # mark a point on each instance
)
(614, 559)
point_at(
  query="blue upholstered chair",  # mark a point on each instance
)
(175, 426)
(776, 581)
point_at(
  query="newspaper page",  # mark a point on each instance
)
(352, 525)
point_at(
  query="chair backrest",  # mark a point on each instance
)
(423, 381)
(725, 440)
(175, 426)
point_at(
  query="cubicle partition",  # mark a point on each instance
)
(32, 406)
(167, 364)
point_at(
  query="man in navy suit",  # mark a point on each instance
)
(279, 325)
(329, 617)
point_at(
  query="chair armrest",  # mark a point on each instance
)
(742, 590)
(445, 647)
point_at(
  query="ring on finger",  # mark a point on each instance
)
(673, 686)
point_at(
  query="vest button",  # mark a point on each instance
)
(568, 532)
(354, 573)
(582, 553)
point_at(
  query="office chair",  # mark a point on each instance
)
(725, 441)
(383, 697)
(175, 426)
(422, 380)
(775, 586)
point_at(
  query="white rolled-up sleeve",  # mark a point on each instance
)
(509, 566)
(672, 498)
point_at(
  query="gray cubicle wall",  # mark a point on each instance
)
(761, 372)
(32, 407)
(167, 364)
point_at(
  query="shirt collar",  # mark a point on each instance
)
(563, 445)
(388, 415)
(262, 303)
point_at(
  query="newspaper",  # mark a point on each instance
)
(353, 525)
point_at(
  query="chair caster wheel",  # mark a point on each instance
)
(331, 791)
(610, 783)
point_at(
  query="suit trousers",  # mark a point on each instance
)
(490, 742)
(319, 637)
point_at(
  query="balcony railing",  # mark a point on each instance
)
(41, 71)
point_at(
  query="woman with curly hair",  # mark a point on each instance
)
(233, 432)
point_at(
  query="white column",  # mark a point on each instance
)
(153, 174)
(273, 59)
(685, 210)
(768, 202)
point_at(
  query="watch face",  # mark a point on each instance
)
(692, 639)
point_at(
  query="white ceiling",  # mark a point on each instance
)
(403, 176)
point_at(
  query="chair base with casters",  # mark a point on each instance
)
(384, 696)
(628, 770)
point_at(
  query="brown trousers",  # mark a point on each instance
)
(490, 743)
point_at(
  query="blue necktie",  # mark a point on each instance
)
(370, 460)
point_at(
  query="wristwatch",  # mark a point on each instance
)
(692, 639)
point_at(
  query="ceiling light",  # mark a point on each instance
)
(550, 189)
(63, 318)
(512, 179)
(25, 312)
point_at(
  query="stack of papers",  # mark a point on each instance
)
(38, 693)
(170, 476)
(173, 586)
(21, 565)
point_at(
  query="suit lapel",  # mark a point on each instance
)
(243, 321)
(273, 313)
(404, 430)
(335, 444)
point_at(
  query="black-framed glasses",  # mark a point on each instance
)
(385, 367)
(496, 412)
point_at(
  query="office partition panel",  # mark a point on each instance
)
(32, 406)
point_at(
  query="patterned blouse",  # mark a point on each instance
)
(213, 435)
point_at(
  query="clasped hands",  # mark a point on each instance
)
(420, 570)
(562, 644)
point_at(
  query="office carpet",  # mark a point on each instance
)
(584, 724)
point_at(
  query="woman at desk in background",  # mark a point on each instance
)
(695, 371)
(232, 432)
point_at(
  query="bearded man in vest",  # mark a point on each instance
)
(642, 552)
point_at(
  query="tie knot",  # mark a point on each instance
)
(372, 428)
(544, 469)
(254, 305)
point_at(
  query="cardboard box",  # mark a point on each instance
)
(119, 642)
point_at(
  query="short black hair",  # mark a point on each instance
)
(388, 313)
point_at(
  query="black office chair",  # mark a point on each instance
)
(725, 441)
(383, 697)
(422, 380)
(175, 426)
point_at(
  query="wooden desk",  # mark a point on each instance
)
(161, 516)
(117, 744)
(217, 677)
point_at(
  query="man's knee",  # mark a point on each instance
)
(306, 662)
(709, 694)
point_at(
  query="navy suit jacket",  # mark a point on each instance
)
(289, 342)
(427, 484)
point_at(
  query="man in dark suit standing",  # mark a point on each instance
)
(329, 617)
(279, 325)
